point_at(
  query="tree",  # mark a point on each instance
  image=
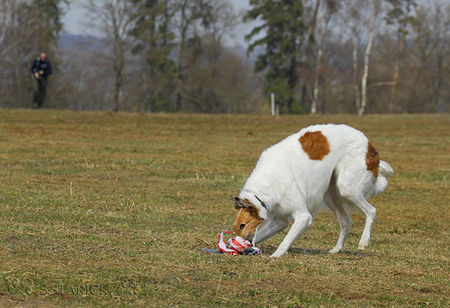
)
(115, 19)
(429, 60)
(27, 27)
(283, 31)
(365, 74)
(49, 14)
(400, 16)
(7, 11)
(324, 18)
(189, 17)
(360, 26)
(205, 58)
(218, 81)
(167, 31)
(155, 41)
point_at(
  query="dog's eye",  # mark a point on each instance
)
(241, 226)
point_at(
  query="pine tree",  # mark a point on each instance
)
(156, 42)
(50, 13)
(284, 30)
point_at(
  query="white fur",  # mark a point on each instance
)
(293, 186)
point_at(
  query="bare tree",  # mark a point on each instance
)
(359, 27)
(193, 20)
(184, 21)
(429, 90)
(400, 16)
(114, 20)
(7, 8)
(8, 20)
(24, 32)
(351, 21)
(355, 46)
(365, 75)
(307, 67)
(323, 20)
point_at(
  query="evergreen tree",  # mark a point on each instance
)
(47, 15)
(48, 27)
(156, 42)
(284, 31)
(50, 13)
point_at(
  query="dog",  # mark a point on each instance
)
(329, 164)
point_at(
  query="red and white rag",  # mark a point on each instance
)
(235, 246)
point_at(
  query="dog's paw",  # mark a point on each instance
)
(335, 250)
(362, 247)
(363, 242)
(278, 254)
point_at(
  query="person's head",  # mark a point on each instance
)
(43, 56)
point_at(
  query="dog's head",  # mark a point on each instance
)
(247, 218)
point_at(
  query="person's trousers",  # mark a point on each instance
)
(40, 91)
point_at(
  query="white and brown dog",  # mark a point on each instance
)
(335, 164)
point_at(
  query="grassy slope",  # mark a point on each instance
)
(123, 203)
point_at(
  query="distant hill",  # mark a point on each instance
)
(71, 41)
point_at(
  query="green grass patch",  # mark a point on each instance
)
(113, 209)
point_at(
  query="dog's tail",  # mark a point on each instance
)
(384, 172)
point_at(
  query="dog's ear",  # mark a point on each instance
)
(252, 209)
(239, 203)
(247, 205)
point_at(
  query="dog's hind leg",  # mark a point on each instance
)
(333, 201)
(354, 194)
(370, 212)
(355, 182)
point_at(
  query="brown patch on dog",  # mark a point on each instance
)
(247, 219)
(372, 160)
(315, 144)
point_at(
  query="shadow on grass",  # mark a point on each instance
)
(307, 251)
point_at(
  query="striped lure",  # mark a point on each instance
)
(236, 246)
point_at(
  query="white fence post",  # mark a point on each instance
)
(272, 99)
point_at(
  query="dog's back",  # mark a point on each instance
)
(309, 158)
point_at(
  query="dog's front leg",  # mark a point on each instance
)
(302, 222)
(268, 229)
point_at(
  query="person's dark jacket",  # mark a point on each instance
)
(42, 65)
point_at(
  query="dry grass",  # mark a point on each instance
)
(103, 209)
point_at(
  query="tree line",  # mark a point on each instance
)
(316, 56)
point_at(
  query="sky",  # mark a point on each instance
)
(75, 19)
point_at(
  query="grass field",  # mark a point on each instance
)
(101, 209)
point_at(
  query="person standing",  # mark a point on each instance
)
(41, 69)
